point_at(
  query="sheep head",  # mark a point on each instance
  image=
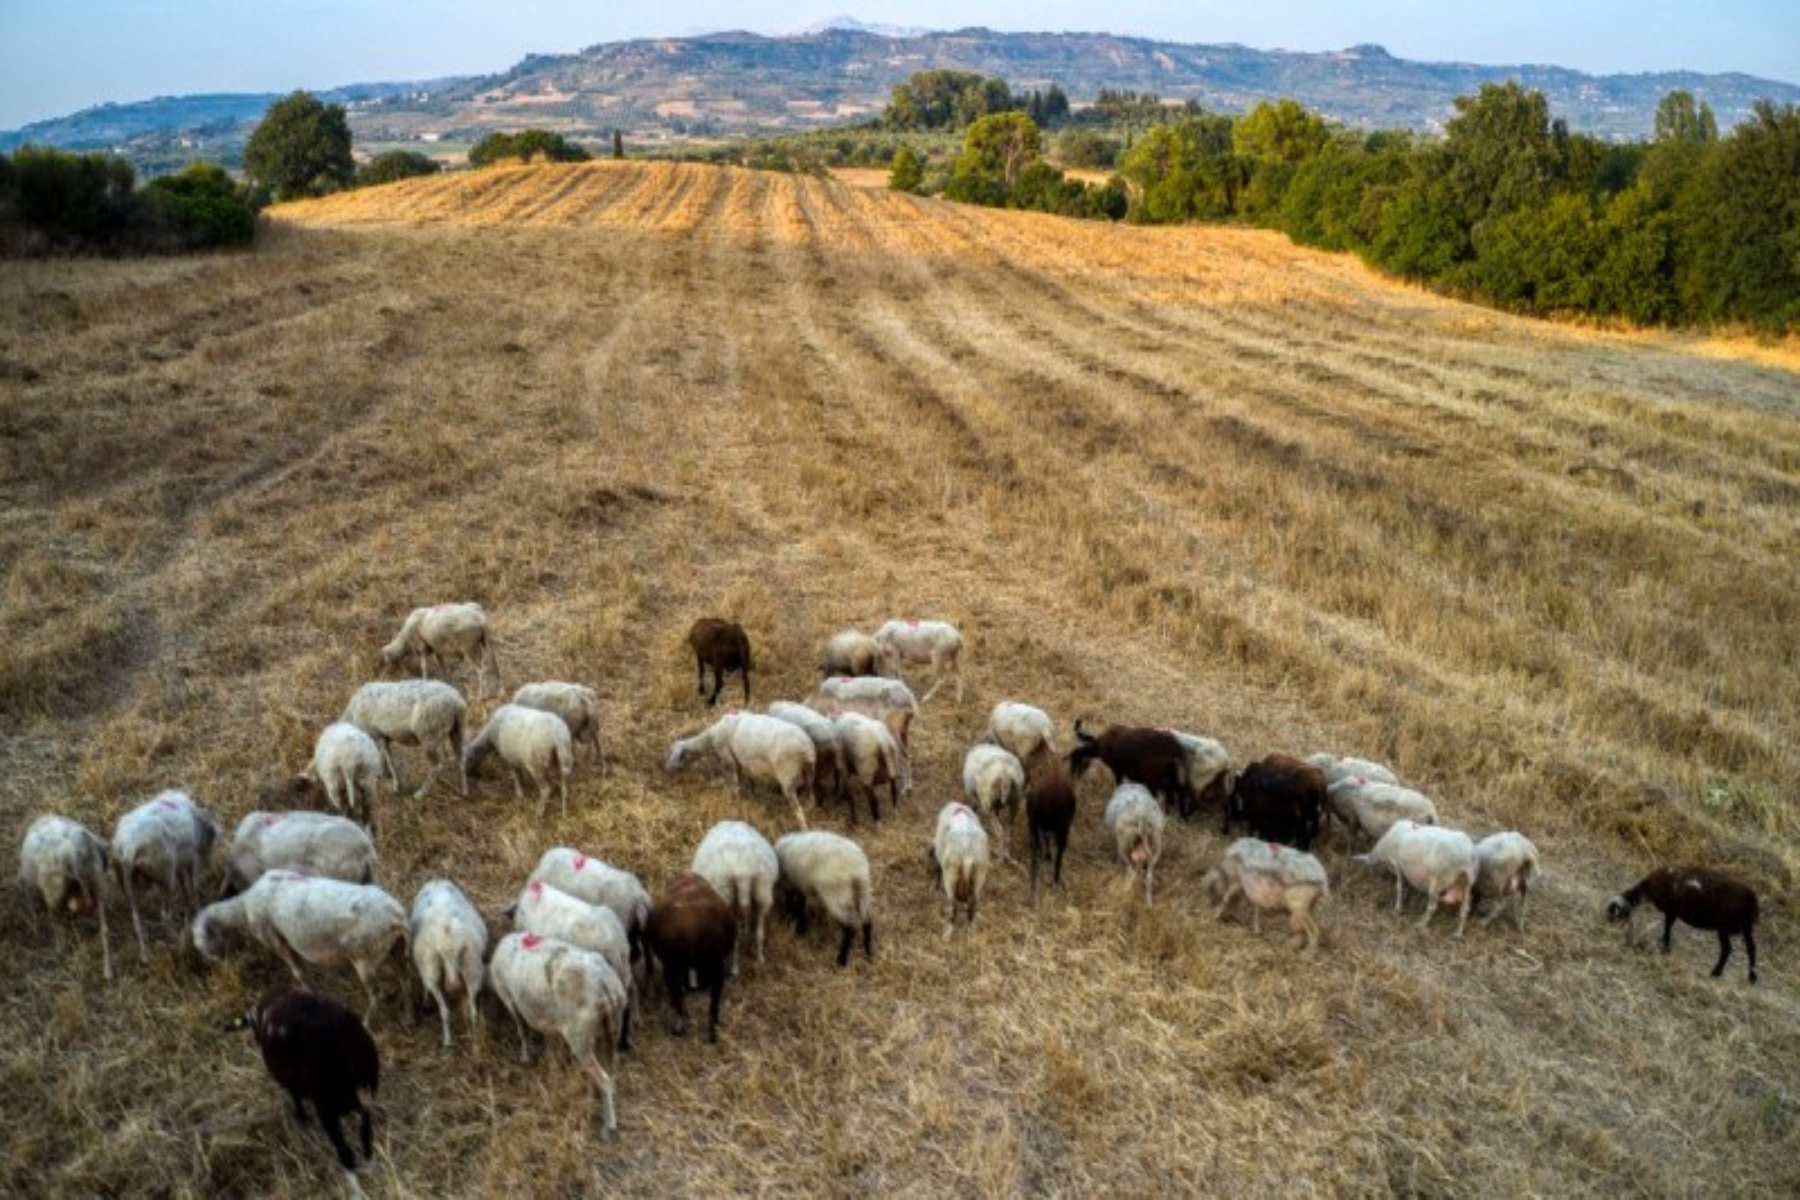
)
(1619, 909)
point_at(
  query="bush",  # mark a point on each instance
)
(530, 145)
(69, 198)
(395, 165)
(1087, 150)
(200, 208)
(53, 200)
(908, 170)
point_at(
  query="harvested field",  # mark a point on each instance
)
(1187, 477)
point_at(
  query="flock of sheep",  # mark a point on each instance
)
(586, 936)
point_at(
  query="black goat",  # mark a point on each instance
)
(1152, 757)
(1704, 898)
(318, 1050)
(723, 646)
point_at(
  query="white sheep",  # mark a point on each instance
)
(817, 726)
(1362, 803)
(63, 864)
(1135, 820)
(306, 918)
(1209, 766)
(576, 703)
(959, 860)
(532, 743)
(1439, 862)
(166, 843)
(412, 712)
(1271, 876)
(442, 630)
(850, 652)
(545, 909)
(312, 843)
(449, 940)
(562, 989)
(1022, 729)
(994, 782)
(741, 866)
(1506, 864)
(588, 878)
(347, 761)
(762, 749)
(832, 870)
(934, 642)
(889, 701)
(871, 757)
(1337, 768)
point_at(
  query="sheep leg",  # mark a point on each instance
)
(562, 784)
(715, 982)
(136, 922)
(1400, 892)
(334, 1129)
(1519, 912)
(366, 973)
(1431, 905)
(1256, 919)
(848, 940)
(675, 984)
(1149, 880)
(949, 914)
(518, 778)
(700, 672)
(762, 925)
(443, 1007)
(1462, 914)
(799, 808)
(592, 1066)
(1037, 853)
(1724, 953)
(1750, 948)
(524, 1046)
(387, 756)
(1232, 890)
(105, 938)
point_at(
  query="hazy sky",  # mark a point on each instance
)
(57, 56)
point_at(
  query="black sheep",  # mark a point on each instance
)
(319, 1050)
(1281, 799)
(692, 929)
(1154, 758)
(723, 646)
(1049, 811)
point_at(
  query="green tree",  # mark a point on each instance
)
(200, 207)
(1086, 149)
(527, 145)
(907, 173)
(393, 165)
(1680, 119)
(1739, 218)
(999, 147)
(1278, 132)
(618, 144)
(301, 148)
(1499, 154)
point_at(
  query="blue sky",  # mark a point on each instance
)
(57, 56)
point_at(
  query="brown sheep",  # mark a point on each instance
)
(1704, 898)
(692, 929)
(723, 646)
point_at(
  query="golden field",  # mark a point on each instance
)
(1189, 477)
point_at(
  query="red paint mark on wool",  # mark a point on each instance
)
(530, 941)
(580, 861)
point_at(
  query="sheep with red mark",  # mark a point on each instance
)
(1274, 877)
(1367, 806)
(317, 1049)
(829, 769)
(1049, 814)
(1439, 862)
(850, 653)
(1135, 820)
(994, 783)
(1154, 758)
(441, 630)
(306, 919)
(1698, 896)
(959, 860)
(576, 703)
(871, 758)
(723, 646)
(1024, 730)
(412, 712)
(1280, 799)
(164, 843)
(532, 743)
(548, 911)
(312, 843)
(588, 878)
(832, 871)
(564, 990)
(758, 748)
(63, 864)
(692, 930)
(1506, 865)
(742, 867)
(448, 940)
(915, 641)
(889, 701)
(347, 761)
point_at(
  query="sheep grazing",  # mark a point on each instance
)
(347, 761)
(1209, 775)
(723, 646)
(851, 654)
(64, 864)
(742, 867)
(164, 842)
(311, 843)
(1439, 862)
(1135, 820)
(817, 726)
(1022, 729)
(871, 757)
(1049, 812)
(933, 642)
(1154, 758)
(994, 781)
(303, 918)
(548, 911)
(412, 712)
(889, 701)
(1336, 769)
(587, 878)
(833, 871)
(1506, 864)
(532, 743)
(319, 1050)
(692, 931)
(1280, 799)
(959, 861)
(1271, 876)
(576, 703)
(442, 630)
(1364, 804)
(562, 989)
(448, 940)
(1699, 896)
(764, 749)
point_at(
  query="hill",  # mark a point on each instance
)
(1185, 476)
(736, 82)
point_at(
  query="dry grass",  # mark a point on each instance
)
(1191, 476)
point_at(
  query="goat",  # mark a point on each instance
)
(723, 646)
(1700, 896)
(692, 929)
(1154, 758)
(319, 1050)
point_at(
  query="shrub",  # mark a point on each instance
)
(395, 165)
(201, 207)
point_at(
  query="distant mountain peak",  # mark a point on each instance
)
(851, 24)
